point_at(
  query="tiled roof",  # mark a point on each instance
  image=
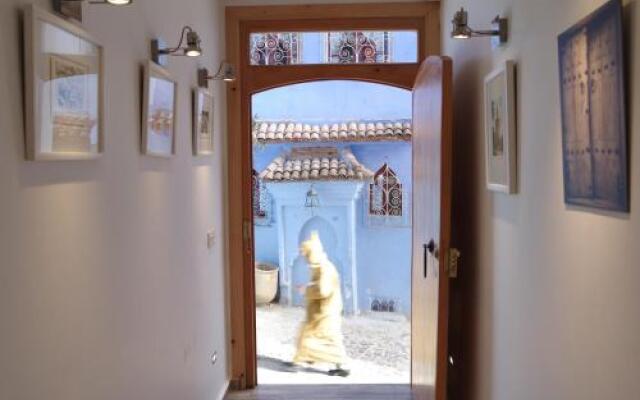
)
(354, 131)
(315, 163)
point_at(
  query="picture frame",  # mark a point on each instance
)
(203, 115)
(64, 89)
(500, 129)
(159, 106)
(595, 155)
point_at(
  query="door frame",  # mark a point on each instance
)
(240, 21)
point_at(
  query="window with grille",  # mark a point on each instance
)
(275, 48)
(385, 193)
(261, 201)
(346, 47)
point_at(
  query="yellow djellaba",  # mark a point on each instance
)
(321, 336)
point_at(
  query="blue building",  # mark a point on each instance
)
(349, 143)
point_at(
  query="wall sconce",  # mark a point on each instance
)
(73, 8)
(226, 72)
(461, 29)
(192, 48)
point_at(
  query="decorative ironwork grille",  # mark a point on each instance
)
(359, 47)
(261, 201)
(275, 48)
(385, 193)
(341, 47)
(382, 304)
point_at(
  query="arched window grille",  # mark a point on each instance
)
(385, 193)
(261, 200)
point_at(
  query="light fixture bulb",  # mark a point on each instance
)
(228, 72)
(461, 28)
(73, 8)
(193, 44)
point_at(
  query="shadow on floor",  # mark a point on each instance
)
(275, 364)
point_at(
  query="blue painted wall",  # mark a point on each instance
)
(383, 252)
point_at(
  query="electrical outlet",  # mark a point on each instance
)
(211, 239)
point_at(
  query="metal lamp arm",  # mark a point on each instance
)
(501, 32)
(171, 50)
(89, 1)
(489, 32)
(218, 74)
(224, 72)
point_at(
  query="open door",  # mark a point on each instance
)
(432, 152)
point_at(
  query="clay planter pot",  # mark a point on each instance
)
(266, 282)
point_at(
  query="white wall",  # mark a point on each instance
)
(107, 289)
(551, 302)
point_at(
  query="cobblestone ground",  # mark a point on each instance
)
(378, 346)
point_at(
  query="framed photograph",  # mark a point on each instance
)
(500, 129)
(594, 133)
(63, 89)
(202, 122)
(158, 112)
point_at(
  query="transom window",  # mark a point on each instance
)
(346, 47)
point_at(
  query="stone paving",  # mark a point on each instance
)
(378, 345)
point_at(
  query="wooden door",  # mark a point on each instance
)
(432, 148)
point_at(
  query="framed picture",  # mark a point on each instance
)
(594, 134)
(202, 122)
(158, 112)
(500, 129)
(63, 89)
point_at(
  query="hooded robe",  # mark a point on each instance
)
(321, 336)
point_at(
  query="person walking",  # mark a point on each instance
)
(320, 338)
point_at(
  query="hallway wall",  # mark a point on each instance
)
(551, 308)
(107, 288)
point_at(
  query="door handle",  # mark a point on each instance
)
(432, 247)
(425, 248)
(428, 248)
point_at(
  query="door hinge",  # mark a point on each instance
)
(246, 234)
(245, 230)
(453, 256)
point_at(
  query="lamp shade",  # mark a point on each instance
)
(460, 29)
(312, 201)
(228, 72)
(193, 45)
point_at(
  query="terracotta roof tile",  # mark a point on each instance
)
(353, 131)
(316, 163)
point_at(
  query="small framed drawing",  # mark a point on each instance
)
(202, 122)
(63, 89)
(158, 112)
(500, 129)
